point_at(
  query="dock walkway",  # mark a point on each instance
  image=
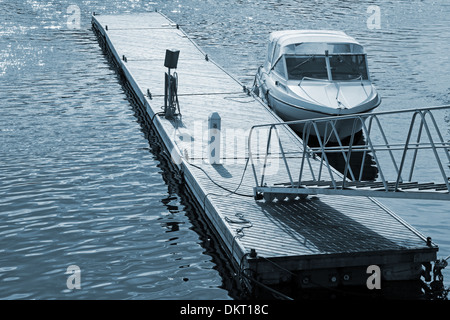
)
(303, 240)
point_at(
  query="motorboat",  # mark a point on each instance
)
(311, 74)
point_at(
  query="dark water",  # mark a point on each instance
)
(79, 183)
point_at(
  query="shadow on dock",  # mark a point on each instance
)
(324, 229)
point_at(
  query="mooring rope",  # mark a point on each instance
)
(222, 187)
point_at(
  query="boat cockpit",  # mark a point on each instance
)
(320, 61)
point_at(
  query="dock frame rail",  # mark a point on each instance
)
(395, 157)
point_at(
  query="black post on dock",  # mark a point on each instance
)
(170, 62)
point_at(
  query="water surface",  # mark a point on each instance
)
(79, 183)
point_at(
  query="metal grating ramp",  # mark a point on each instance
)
(413, 190)
(310, 172)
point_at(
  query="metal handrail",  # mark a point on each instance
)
(422, 121)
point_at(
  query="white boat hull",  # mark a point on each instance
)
(296, 110)
(287, 112)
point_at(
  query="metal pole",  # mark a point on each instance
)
(405, 149)
(324, 156)
(284, 158)
(266, 156)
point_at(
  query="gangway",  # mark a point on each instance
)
(413, 163)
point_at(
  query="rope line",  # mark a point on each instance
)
(222, 187)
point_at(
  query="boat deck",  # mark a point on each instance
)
(322, 232)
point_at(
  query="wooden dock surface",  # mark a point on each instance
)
(290, 238)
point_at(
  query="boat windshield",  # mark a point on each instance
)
(348, 67)
(306, 67)
(342, 67)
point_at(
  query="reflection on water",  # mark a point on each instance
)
(78, 184)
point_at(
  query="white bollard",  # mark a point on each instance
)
(214, 127)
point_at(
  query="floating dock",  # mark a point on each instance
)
(323, 240)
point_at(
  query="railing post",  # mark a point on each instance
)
(250, 155)
(370, 145)
(419, 135)
(347, 160)
(306, 134)
(444, 176)
(405, 149)
(324, 156)
(284, 158)
(385, 141)
(267, 155)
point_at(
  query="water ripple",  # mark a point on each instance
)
(78, 184)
